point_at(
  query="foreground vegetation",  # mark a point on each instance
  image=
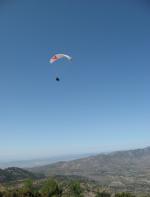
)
(55, 188)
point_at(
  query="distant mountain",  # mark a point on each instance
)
(14, 174)
(41, 162)
(120, 169)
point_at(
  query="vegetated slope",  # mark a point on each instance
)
(121, 169)
(14, 174)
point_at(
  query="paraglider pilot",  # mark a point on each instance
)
(57, 79)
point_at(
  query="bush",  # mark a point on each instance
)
(103, 194)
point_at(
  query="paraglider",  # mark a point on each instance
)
(57, 57)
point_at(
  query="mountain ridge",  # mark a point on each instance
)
(123, 169)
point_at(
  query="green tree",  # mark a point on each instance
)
(28, 185)
(51, 188)
(28, 190)
(75, 189)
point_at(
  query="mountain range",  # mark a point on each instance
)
(118, 171)
(124, 170)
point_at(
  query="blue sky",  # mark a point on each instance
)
(102, 102)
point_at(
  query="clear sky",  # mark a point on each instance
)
(102, 102)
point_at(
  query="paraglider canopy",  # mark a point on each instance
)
(59, 56)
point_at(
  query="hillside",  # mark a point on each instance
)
(122, 169)
(14, 174)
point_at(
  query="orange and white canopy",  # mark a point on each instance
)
(59, 56)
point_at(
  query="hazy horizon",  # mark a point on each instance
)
(66, 156)
(43, 161)
(102, 100)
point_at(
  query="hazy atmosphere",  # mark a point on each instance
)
(102, 102)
